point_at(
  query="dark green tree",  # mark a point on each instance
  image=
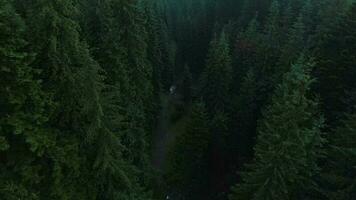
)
(24, 142)
(247, 112)
(339, 172)
(188, 175)
(71, 77)
(216, 79)
(336, 68)
(269, 53)
(288, 145)
(294, 46)
(246, 52)
(272, 28)
(187, 85)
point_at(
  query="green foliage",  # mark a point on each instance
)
(339, 173)
(336, 69)
(246, 106)
(288, 145)
(272, 27)
(293, 47)
(188, 166)
(80, 88)
(24, 140)
(187, 83)
(216, 78)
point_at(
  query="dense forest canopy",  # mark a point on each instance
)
(177, 99)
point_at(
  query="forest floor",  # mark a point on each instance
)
(169, 126)
(172, 122)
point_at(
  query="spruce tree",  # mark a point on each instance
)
(71, 77)
(270, 52)
(138, 97)
(24, 142)
(272, 28)
(294, 46)
(309, 18)
(339, 171)
(336, 68)
(288, 145)
(247, 50)
(187, 84)
(247, 112)
(188, 165)
(216, 79)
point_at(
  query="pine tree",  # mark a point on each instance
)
(247, 12)
(188, 164)
(130, 58)
(187, 84)
(23, 139)
(155, 48)
(247, 112)
(246, 52)
(215, 88)
(309, 18)
(71, 77)
(272, 28)
(218, 153)
(293, 47)
(138, 96)
(329, 13)
(216, 79)
(269, 53)
(288, 145)
(339, 172)
(336, 68)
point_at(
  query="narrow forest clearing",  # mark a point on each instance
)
(168, 128)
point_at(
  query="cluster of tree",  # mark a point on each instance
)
(268, 91)
(272, 113)
(79, 88)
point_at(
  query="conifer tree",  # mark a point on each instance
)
(328, 16)
(216, 79)
(336, 68)
(187, 83)
(309, 18)
(272, 28)
(188, 166)
(247, 12)
(246, 51)
(339, 172)
(247, 113)
(23, 139)
(293, 47)
(270, 52)
(71, 77)
(288, 145)
(138, 96)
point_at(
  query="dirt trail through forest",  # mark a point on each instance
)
(163, 135)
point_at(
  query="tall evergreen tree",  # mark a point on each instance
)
(270, 52)
(188, 169)
(246, 120)
(72, 78)
(293, 47)
(339, 172)
(187, 84)
(216, 78)
(309, 19)
(336, 68)
(247, 49)
(272, 27)
(288, 145)
(24, 140)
